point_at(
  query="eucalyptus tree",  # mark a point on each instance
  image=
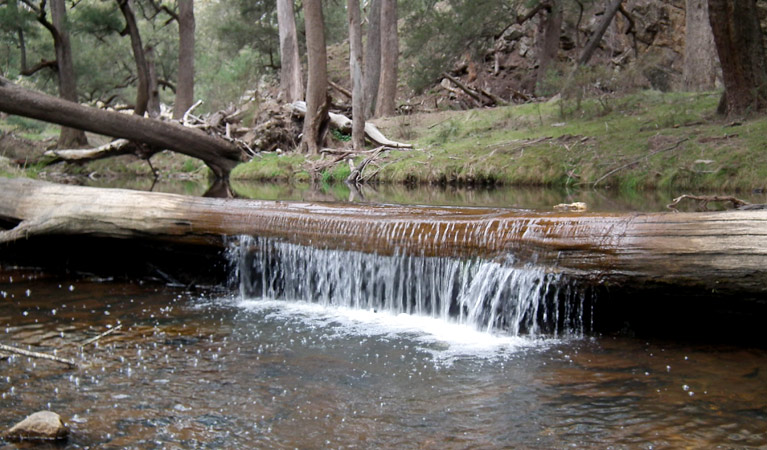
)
(291, 75)
(317, 81)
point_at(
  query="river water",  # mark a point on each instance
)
(211, 369)
(308, 348)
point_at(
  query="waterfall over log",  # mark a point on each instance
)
(716, 252)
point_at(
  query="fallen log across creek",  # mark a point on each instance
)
(714, 252)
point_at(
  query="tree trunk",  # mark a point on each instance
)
(68, 137)
(387, 91)
(700, 61)
(738, 38)
(153, 88)
(550, 30)
(142, 70)
(596, 38)
(721, 252)
(221, 156)
(291, 78)
(317, 83)
(372, 58)
(185, 85)
(355, 63)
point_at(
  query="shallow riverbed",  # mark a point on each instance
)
(208, 369)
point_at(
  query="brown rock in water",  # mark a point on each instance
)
(42, 425)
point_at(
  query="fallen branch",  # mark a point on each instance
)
(31, 354)
(496, 99)
(355, 177)
(704, 200)
(340, 89)
(618, 169)
(96, 338)
(114, 148)
(464, 88)
(343, 123)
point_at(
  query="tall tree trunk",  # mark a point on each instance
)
(700, 61)
(550, 29)
(387, 91)
(738, 38)
(372, 57)
(153, 88)
(596, 38)
(142, 70)
(291, 78)
(317, 80)
(68, 137)
(355, 63)
(185, 85)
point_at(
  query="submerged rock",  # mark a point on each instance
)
(42, 425)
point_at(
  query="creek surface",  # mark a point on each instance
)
(310, 348)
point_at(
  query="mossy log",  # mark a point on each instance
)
(721, 252)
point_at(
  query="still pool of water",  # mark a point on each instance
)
(208, 369)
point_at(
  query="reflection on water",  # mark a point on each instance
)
(205, 370)
(538, 198)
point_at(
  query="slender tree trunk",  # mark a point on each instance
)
(372, 58)
(387, 91)
(185, 85)
(68, 137)
(596, 38)
(153, 88)
(700, 60)
(291, 78)
(355, 63)
(317, 80)
(738, 38)
(142, 70)
(551, 30)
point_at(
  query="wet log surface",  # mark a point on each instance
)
(720, 253)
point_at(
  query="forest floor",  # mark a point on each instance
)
(646, 140)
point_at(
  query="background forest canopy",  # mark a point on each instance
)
(237, 45)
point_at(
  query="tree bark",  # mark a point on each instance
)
(700, 60)
(738, 38)
(291, 78)
(387, 91)
(721, 252)
(355, 63)
(185, 85)
(317, 83)
(550, 30)
(372, 58)
(153, 87)
(142, 70)
(221, 156)
(596, 38)
(68, 137)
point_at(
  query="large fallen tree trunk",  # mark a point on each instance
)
(221, 156)
(722, 252)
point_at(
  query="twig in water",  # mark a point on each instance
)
(703, 200)
(31, 354)
(106, 333)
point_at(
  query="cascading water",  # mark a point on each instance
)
(497, 296)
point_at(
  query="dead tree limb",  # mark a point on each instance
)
(464, 88)
(221, 156)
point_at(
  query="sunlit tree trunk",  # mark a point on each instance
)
(291, 78)
(185, 84)
(69, 137)
(700, 61)
(317, 80)
(387, 92)
(738, 38)
(153, 89)
(372, 57)
(355, 63)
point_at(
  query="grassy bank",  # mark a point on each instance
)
(642, 141)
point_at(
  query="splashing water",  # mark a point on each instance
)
(494, 296)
